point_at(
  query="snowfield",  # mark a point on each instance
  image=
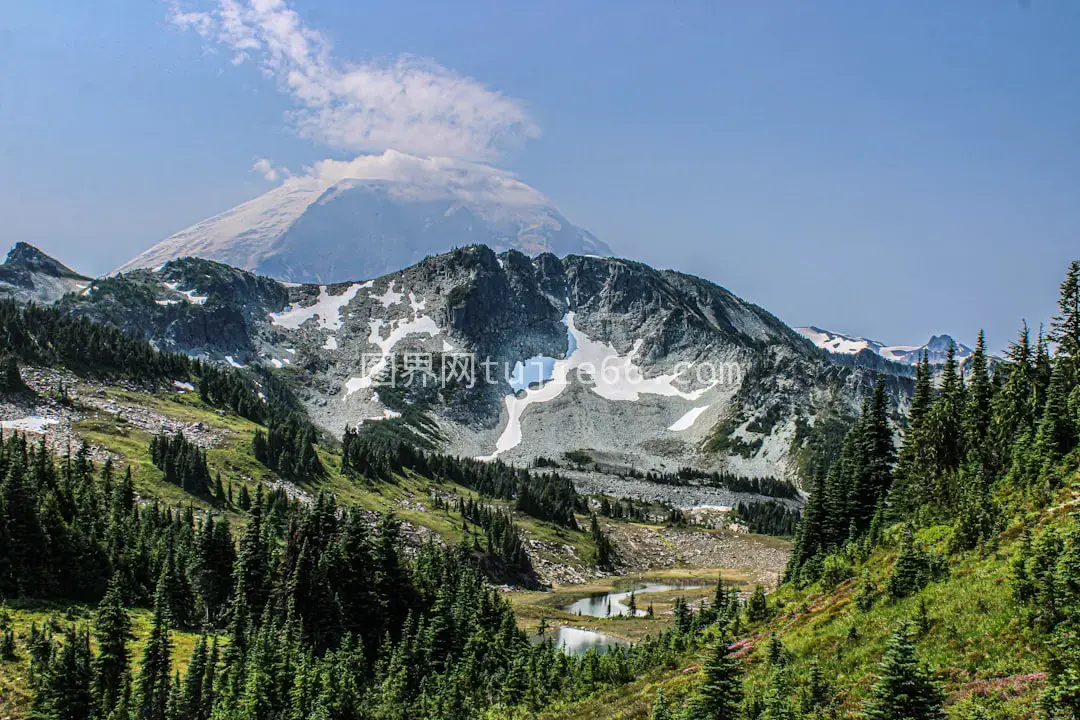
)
(612, 376)
(327, 309)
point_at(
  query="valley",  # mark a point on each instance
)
(168, 447)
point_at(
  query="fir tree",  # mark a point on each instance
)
(719, 692)
(155, 678)
(910, 572)
(1065, 327)
(904, 690)
(660, 709)
(979, 396)
(1057, 428)
(112, 630)
(67, 693)
(757, 608)
(777, 704)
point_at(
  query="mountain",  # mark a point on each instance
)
(636, 368)
(838, 343)
(30, 275)
(374, 215)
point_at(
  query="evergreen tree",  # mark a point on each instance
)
(904, 690)
(192, 703)
(1065, 327)
(757, 607)
(155, 678)
(910, 573)
(1057, 428)
(112, 630)
(719, 692)
(67, 693)
(10, 378)
(873, 457)
(777, 704)
(979, 396)
(660, 709)
(818, 692)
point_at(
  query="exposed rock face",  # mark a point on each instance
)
(29, 275)
(650, 369)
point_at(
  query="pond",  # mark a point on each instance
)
(615, 603)
(575, 641)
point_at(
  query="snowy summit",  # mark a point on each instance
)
(364, 218)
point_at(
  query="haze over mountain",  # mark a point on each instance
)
(348, 220)
(841, 344)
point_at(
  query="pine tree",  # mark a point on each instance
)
(1057, 428)
(191, 704)
(776, 654)
(10, 378)
(909, 572)
(155, 678)
(112, 630)
(757, 607)
(979, 396)
(777, 704)
(7, 645)
(719, 693)
(904, 690)
(67, 693)
(818, 692)
(874, 456)
(1065, 327)
(660, 709)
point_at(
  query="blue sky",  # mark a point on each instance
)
(886, 169)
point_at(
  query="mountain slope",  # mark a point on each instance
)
(639, 369)
(375, 215)
(29, 275)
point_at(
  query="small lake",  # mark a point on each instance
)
(613, 604)
(575, 641)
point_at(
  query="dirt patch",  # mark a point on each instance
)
(642, 547)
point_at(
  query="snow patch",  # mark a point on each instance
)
(189, 294)
(331, 343)
(687, 420)
(233, 363)
(327, 308)
(183, 386)
(615, 377)
(399, 330)
(390, 298)
(32, 423)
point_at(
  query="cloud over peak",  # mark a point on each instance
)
(411, 104)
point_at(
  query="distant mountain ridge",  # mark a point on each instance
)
(375, 215)
(29, 275)
(839, 343)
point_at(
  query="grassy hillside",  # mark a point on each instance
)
(973, 635)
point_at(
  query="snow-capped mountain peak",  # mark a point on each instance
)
(841, 344)
(343, 220)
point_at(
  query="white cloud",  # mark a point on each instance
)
(425, 177)
(410, 104)
(266, 168)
